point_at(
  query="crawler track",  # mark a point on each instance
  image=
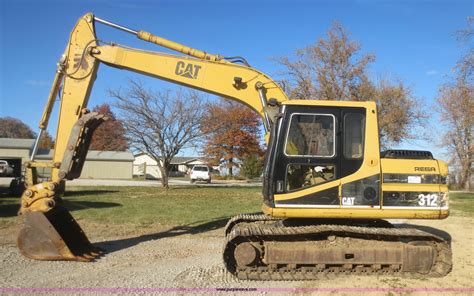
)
(266, 249)
(249, 218)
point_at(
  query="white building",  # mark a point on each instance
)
(146, 165)
(98, 164)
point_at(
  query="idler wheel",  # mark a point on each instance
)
(245, 254)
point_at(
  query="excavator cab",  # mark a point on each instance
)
(324, 161)
(317, 146)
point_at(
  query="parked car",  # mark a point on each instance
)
(5, 169)
(200, 173)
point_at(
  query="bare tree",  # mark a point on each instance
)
(400, 114)
(334, 69)
(456, 106)
(160, 123)
(331, 69)
(456, 102)
(465, 66)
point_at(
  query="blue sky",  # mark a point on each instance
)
(413, 40)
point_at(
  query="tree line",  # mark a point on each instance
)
(333, 68)
(110, 136)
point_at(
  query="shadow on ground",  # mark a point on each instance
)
(73, 205)
(213, 185)
(5, 192)
(194, 228)
(9, 208)
(88, 192)
(9, 204)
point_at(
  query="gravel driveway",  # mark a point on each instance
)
(159, 258)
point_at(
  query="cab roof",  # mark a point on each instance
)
(363, 104)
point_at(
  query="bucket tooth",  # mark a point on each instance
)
(88, 255)
(83, 259)
(53, 235)
(97, 251)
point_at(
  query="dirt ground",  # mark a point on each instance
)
(183, 257)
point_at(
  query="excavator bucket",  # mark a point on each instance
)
(55, 235)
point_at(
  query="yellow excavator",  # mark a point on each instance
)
(327, 188)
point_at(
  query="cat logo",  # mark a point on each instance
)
(188, 71)
(348, 201)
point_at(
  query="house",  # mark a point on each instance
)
(98, 164)
(146, 165)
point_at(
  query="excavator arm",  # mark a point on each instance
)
(75, 76)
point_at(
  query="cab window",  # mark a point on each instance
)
(311, 135)
(354, 128)
(306, 175)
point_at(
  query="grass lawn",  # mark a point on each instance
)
(148, 205)
(463, 202)
(176, 206)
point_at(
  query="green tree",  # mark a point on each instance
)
(252, 166)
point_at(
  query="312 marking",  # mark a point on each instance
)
(430, 200)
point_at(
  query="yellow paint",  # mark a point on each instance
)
(77, 84)
(356, 213)
(363, 104)
(177, 47)
(410, 187)
(215, 77)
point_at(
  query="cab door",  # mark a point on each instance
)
(307, 166)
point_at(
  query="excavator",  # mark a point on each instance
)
(327, 189)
